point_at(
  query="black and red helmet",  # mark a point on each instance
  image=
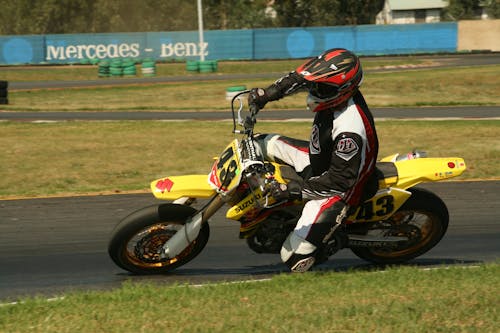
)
(334, 76)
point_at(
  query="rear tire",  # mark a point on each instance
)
(136, 242)
(425, 222)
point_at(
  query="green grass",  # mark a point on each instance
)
(116, 156)
(88, 72)
(395, 300)
(477, 85)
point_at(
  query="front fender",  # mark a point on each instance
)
(172, 188)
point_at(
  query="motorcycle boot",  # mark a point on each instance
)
(297, 253)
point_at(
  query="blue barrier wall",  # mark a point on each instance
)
(283, 43)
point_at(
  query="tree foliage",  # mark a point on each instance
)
(471, 9)
(93, 16)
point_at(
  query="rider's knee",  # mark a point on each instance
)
(297, 253)
(263, 141)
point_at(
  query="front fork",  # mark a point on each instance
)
(190, 230)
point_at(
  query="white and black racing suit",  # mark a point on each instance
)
(340, 158)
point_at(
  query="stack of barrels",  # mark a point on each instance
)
(207, 66)
(4, 98)
(125, 67)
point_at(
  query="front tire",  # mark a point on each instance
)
(137, 241)
(423, 219)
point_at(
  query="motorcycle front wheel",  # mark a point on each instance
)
(136, 243)
(423, 219)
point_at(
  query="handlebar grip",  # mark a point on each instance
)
(254, 109)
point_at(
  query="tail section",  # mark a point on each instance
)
(415, 171)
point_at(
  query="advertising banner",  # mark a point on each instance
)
(282, 43)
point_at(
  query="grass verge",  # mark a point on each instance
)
(79, 157)
(395, 300)
(88, 72)
(477, 85)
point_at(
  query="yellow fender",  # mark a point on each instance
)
(175, 187)
(428, 169)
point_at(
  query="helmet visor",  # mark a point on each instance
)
(324, 90)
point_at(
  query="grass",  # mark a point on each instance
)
(395, 300)
(477, 85)
(80, 157)
(81, 72)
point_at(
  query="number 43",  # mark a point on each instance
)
(381, 207)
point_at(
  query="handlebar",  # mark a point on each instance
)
(249, 121)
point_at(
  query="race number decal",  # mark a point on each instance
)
(225, 174)
(380, 207)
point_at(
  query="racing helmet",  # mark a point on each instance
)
(334, 76)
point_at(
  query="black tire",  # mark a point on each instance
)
(4, 84)
(422, 204)
(136, 240)
(3, 93)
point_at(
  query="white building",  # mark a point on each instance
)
(411, 11)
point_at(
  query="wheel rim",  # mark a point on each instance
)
(145, 247)
(420, 227)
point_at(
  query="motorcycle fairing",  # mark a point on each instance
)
(255, 201)
(226, 171)
(172, 188)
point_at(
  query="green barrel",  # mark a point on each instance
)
(129, 67)
(148, 67)
(206, 66)
(215, 65)
(232, 91)
(192, 66)
(103, 68)
(115, 68)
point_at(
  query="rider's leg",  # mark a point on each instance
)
(282, 149)
(318, 222)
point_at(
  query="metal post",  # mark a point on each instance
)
(200, 31)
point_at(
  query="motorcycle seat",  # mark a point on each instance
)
(387, 174)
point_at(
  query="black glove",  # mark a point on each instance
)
(283, 192)
(249, 122)
(258, 97)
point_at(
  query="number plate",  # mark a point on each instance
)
(381, 206)
(226, 170)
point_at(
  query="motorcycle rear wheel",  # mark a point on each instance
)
(137, 241)
(427, 222)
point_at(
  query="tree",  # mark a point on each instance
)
(493, 8)
(235, 14)
(359, 12)
(461, 10)
(306, 13)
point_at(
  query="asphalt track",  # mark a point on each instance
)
(49, 246)
(462, 112)
(53, 245)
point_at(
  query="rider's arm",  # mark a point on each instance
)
(287, 85)
(284, 86)
(343, 171)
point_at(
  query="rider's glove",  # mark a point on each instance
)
(258, 97)
(283, 192)
(249, 122)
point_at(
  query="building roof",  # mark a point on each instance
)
(416, 4)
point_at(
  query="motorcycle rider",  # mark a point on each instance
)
(340, 155)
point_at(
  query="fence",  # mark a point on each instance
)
(282, 43)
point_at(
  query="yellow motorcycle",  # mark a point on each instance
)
(399, 223)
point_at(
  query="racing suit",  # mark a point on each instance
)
(340, 158)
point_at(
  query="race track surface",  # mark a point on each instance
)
(53, 245)
(49, 246)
